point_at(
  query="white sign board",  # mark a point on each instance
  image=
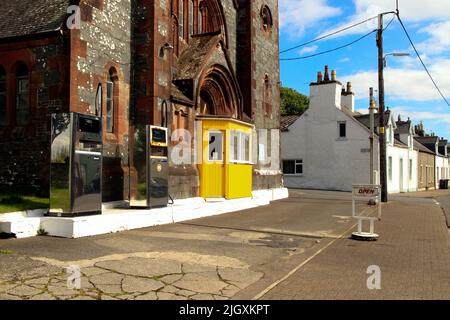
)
(366, 192)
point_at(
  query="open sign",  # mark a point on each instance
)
(366, 191)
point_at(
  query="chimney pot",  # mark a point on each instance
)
(333, 75)
(349, 87)
(327, 74)
(319, 77)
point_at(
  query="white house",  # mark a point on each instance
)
(328, 146)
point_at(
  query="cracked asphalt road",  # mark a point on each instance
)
(232, 256)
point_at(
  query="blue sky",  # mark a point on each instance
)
(409, 91)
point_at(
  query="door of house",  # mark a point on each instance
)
(401, 175)
(214, 170)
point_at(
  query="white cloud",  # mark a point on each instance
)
(439, 40)
(309, 50)
(404, 83)
(298, 15)
(344, 60)
(412, 11)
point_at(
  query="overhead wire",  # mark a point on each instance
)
(421, 60)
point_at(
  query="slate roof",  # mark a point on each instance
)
(403, 127)
(192, 59)
(287, 121)
(26, 17)
(177, 95)
(421, 147)
(365, 119)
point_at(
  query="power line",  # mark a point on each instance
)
(423, 64)
(331, 50)
(328, 35)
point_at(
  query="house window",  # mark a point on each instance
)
(191, 17)
(181, 18)
(390, 168)
(410, 169)
(293, 167)
(342, 129)
(2, 97)
(110, 103)
(240, 147)
(22, 95)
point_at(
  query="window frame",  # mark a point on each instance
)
(244, 155)
(221, 159)
(390, 164)
(340, 123)
(4, 97)
(110, 104)
(22, 95)
(297, 162)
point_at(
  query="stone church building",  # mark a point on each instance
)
(173, 63)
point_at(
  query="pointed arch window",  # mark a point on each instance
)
(181, 18)
(191, 17)
(200, 19)
(2, 97)
(111, 101)
(22, 95)
(267, 95)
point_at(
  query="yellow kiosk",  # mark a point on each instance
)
(226, 158)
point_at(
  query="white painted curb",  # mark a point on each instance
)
(121, 219)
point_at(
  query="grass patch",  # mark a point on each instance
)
(6, 252)
(13, 203)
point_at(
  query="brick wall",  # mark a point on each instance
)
(24, 151)
(104, 43)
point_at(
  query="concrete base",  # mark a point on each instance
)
(121, 219)
(365, 236)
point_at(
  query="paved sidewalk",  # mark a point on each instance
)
(412, 253)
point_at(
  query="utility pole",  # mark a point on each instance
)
(381, 130)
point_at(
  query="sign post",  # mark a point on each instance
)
(370, 194)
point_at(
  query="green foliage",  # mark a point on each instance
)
(6, 252)
(293, 102)
(13, 203)
(42, 232)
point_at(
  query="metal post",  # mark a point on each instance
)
(381, 132)
(372, 129)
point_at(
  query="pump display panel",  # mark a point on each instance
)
(158, 137)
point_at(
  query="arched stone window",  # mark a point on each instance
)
(2, 97)
(111, 100)
(191, 17)
(175, 40)
(22, 95)
(266, 19)
(181, 18)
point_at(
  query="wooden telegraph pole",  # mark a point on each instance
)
(381, 131)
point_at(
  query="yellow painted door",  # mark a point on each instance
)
(214, 167)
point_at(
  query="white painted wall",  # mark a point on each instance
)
(442, 163)
(329, 163)
(402, 181)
